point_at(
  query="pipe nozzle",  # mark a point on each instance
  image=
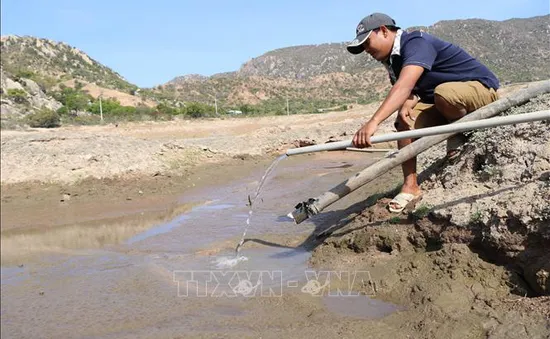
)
(303, 211)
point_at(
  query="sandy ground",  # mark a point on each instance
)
(78, 175)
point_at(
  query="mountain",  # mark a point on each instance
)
(301, 62)
(324, 73)
(34, 70)
(307, 77)
(517, 50)
(49, 63)
(501, 44)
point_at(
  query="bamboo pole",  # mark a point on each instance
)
(315, 205)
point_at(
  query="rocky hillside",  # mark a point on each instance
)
(337, 87)
(308, 61)
(499, 44)
(35, 71)
(318, 74)
(309, 77)
(516, 50)
(328, 71)
(22, 97)
(49, 62)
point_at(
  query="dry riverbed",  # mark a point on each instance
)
(470, 260)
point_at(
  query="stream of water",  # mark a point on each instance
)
(228, 262)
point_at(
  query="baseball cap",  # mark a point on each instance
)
(365, 28)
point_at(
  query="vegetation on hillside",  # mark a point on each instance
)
(76, 101)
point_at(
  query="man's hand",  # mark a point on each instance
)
(400, 94)
(405, 113)
(362, 137)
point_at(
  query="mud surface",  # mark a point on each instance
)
(117, 276)
(470, 259)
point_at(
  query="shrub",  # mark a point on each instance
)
(394, 220)
(198, 110)
(247, 109)
(80, 120)
(421, 211)
(144, 110)
(44, 118)
(111, 107)
(62, 110)
(23, 73)
(476, 217)
(17, 95)
(165, 109)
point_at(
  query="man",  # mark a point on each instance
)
(434, 82)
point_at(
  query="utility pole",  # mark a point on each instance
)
(100, 109)
(215, 96)
(287, 110)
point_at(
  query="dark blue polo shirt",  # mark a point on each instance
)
(442, 61)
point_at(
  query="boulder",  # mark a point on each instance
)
(32, 88)
(10, 84)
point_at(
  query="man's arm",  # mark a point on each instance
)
(399, 93)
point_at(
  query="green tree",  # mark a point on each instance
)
(74, 100)
(198, 110)
(109, 106)
(144, 110)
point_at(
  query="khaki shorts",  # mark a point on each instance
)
(470, 95)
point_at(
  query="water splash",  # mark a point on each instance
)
(229, 262)
(251, 202)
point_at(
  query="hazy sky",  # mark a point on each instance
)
(151, 42)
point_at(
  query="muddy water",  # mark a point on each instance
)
(152, 275)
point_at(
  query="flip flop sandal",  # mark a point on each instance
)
(402, 200)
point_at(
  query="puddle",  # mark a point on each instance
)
(13, 275)
(264, 272)
(217, 207)
(186, 229)
(126, 274)
(20, 246)
(156, 230)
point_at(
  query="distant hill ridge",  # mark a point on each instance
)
(517, 50)
(55, 62)
(504, 44)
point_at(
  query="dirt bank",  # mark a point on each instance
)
(471, 258)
